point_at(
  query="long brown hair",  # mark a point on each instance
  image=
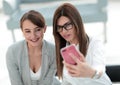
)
(69, 11)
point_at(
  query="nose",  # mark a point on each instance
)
(33, 35)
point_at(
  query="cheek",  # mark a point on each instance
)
(40, 34)
(74, 32)
(26, 35)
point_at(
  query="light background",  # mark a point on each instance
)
(112, 47)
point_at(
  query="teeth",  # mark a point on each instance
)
(34, 40)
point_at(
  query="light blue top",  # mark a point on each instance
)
(18, 64)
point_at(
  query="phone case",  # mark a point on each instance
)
(65, 54)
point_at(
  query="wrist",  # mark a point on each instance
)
(97, 74)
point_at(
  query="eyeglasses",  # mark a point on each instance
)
(66, 26)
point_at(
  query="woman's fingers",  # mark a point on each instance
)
(76, 59)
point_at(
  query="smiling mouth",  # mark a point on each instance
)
(35, 40)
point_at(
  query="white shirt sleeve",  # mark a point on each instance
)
(95, 58)
(95, 55)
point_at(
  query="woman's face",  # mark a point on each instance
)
(67, 30)
(32, 33)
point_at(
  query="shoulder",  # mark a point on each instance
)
(96, 46)
(49, 45)
(15, 51)
(95, 42)
(49, 49)
(16, 46)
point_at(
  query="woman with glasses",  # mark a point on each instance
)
(90, 67)
(32, 61)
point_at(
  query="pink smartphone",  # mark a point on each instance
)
(65, 53)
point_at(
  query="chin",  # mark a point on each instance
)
(35, 45)
(68, 40)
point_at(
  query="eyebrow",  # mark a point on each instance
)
(64, 24)
(31, 29)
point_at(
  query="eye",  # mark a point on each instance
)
(38, 29)
(27, 31)
(68, 26)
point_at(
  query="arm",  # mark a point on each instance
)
(86, 68)
(52, 66)
(13, 68)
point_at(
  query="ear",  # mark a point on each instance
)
(45, 28)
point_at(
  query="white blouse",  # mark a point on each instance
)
(35, 76)
(95, 58)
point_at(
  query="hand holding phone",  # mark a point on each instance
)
(65, 52)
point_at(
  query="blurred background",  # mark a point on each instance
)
(112, 46)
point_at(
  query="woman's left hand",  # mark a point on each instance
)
(81, 69)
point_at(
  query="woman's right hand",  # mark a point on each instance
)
(81, 69)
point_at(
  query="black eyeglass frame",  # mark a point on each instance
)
(66, 26)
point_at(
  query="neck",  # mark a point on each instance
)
(74, 42)
(35, 48)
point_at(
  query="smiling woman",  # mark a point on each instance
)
(32, 33)
(33, 63)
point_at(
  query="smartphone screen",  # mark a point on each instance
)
(66, 51)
